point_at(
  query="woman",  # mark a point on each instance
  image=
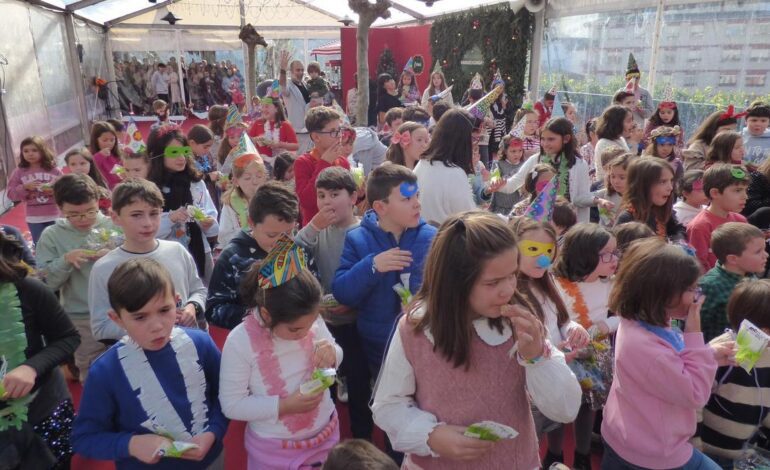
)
(387, 97)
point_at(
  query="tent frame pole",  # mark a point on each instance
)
(76, 73)
(655, 43)
(535, 53)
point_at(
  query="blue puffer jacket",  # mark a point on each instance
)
(371, 293)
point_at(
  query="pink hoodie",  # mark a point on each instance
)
(650, 413)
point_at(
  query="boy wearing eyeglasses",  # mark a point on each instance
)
(66, 252)
(324, 126)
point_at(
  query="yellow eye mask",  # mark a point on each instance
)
(532, 248)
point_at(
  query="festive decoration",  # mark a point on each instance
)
(245, 147)
(630, 87)
(284, 262)
(558, 111)
(441, 95)
(386, 64)
(403, 291)
(452, 36)
(176, 152)
(632, 69)
(498, 79)
(476, 83)
(541, 209)
(481, 107)
(562, 175)
(13, 343)
(578, 302)
(668, 99)
(233, 117)
(136, 142)
(518, 130)
(551, 93)
(730, 114)
(409, 66)
(273, 94)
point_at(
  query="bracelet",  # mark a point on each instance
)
(198, 309)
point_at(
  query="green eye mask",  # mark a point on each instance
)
(177, 152)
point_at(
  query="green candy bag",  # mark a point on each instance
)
(490, 431)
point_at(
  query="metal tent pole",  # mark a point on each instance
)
(534, 56)
(655, 46)
(77, 73)
(178, 38)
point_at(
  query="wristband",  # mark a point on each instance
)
(198, 309)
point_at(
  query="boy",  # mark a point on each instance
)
(393, 118)
(136, 208)
(692, 197)
(64, 261)
(272, 212)
(391, 244)
(316, 82)
(725, 186)
(740, 249)
(158, 385)
(323, 125)
(324, 239)
(160, 108)
(137, 165)
(756, 139)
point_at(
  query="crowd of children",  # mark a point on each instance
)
(467, 284)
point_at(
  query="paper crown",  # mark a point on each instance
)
(442, 95)
(557, 111)
(233, 117)
(541, 209)
(284, 262)
(632, 69)
(480, 108)
(668, 98)
(731, 114)
(476, 83)
(498, 79)
(664, 131)
(135, 139)
(244, 149)
(551, 92)
(409, 66)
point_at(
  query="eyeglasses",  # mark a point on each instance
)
(697, 293)
(607, 257)
(87, 216)
(332, 133)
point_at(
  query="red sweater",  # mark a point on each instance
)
(306, 170)
(699, 234)
(285, 133)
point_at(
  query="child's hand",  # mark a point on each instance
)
(324, 355)
(496, 184)
(77, 257)
(724, 353)
(449, 442)
(325, 217)
(33, 186)
(19, 382)
(206, 223)
(145, 447)
(299, 403)
(179, 216)
(332, 153)
(204, 441)
(578, 338)
(692, 323)
(185, 316)
(605, 204)
(394, 259)
(529, 331)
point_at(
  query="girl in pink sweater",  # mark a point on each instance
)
(106, 151)
(32, 183)
(662, 376)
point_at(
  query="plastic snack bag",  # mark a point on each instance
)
(102, 238)
(196, 213)
(358, 175)
(490, 431)
(751, 342)
(328, 301)
(320, 380)
(495, 176)
(175, 449)
(402, 289)
(119, 171)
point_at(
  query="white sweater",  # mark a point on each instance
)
(601, 146)
(229, 225)
(596, 296)
(444, 190)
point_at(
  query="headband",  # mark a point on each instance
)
(666, 139)
(168, 128)
(667, 105)
(730, 114)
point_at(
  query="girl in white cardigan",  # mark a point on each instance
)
(249, 173)
(559, 149)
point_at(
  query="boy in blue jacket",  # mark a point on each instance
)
(391, 242)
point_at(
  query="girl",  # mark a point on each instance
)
(666, 115)
(407, 144)
(587, 150)
(614, 126)
(726, 147)
(558, 148)
(266, 359)
(697, 146)
(407, 87)
(692, 198)
(201, 141)
(533, 185)
(37, 337)
(661, 375)
(663, 145)
(283, 168)
(80, 161)
(106, 151)
(527, 130)
(225, 157)
(136, 164)
(216, 117)
(437, 85)
(583, 270)
(455, 340)
(172, 169)
(32, 182)
(272, 132)
(611, 197)
(249, 173)
(507, 166)
(650, 197)
(387, 97)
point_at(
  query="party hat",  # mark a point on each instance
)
(481, 107)
(541, 209)
(273, 93)
(136, 142)
(284, 262)
(409, 67)
(632, 69)
(476, 83)
(245, 152)
(550, 93)
(233, 117)
(557, 111)
(437, 67)
(441, 95)
(518, 130)
(668, 98)
(498, 79)
(527, 102)
(630, 86)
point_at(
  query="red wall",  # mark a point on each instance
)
(403, 42)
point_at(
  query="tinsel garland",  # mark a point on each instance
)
(13, 343)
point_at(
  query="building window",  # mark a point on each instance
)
(759, 55)
(755, 79)
(694, 56)
(696, 31)
(731, 55)
(728, 79)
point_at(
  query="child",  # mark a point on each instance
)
(272, 211)
(667, 115)
(120, 131)
(725, 188)
(727, 147)
(692, 197)
(201, 140)
(663, 145)
(136, 208)
(755, 136)
(559, 149)
(533, 185)
(37, 337)
(740, 251)
(659, 371)
(529, 130)
(512, 154)
(630, 232)
(106, 151)
(255, 108)
(272, 132)
(583, 273)
(393, 120)
(736, 410)
(564, 218)
(270, 355)
(358, 454)
(216, 117)
(137, 165)
(323, 125)
(283, 169)
(697, 146)
(610, 199)
(437, 85)
(454, 342)
(390, 245)
(66, 254)
(324, 239)
(650, 197)
(32, 182)
(249, 173)
(161, 111)
(234, 129)
(80, 162)
(407, 144)
(316, 83)
(173, 170)
(407, 88)
(613, 127)
(587, 150)
(544, 107)
(157, 385)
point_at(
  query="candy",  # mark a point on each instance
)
(328, 301)
(196, 213)
(490, 431)
(320, 380)
(751, 342)
(175, 449)
(358, 175)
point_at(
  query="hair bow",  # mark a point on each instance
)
(730, 114)
(167, 128)
(403, 138)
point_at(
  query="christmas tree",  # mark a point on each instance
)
(386, 64)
